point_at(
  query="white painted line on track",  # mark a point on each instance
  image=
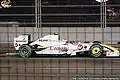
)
(63, 58)
(7, 54)
(11, 54)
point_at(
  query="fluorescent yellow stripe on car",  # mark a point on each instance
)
(110, 47)
(42, 47)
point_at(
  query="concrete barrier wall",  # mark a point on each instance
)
(107, 35)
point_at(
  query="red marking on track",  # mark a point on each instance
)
(3, 52)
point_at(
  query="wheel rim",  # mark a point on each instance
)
(24, 51)
(95, 50)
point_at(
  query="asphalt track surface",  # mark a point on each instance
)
(59, 68)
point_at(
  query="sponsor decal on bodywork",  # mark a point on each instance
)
(58, 48)
(80, 46)
(43, 40)
(16, 45)
(112, 54)
(21, 41)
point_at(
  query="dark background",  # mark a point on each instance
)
(18, 12)
(22, 7)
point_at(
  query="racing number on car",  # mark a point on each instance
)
(80, 46)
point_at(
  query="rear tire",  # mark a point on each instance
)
(96, 50)
(25, 51)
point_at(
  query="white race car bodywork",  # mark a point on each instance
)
(52, 44)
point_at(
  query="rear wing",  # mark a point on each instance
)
(21, 39)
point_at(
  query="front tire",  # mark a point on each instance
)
(25, 51)
(96, 50)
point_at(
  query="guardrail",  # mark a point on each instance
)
(9, 24)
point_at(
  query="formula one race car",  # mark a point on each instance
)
(54, 45)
